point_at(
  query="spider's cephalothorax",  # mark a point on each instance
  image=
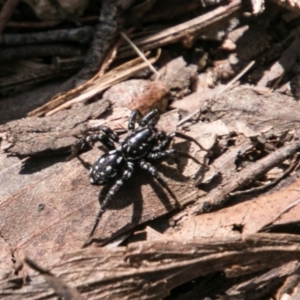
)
(143, 145)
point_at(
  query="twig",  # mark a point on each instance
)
(111, 19)
(80, 35)
(189, 117)
(105, 35)
(218, 197)
(98, 85)
(6, 12)
(190, 28)
(236, 78)
(143, 57)
(273, 183)
(109, 58)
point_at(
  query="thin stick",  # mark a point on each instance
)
(143, 57)
(236, 78)
(293, 166)
(226, 87)
(218, 197)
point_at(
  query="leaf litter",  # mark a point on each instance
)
(230, 216)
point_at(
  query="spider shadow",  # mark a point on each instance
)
(182, 161)
(132, 192)
(132, 195)
(130, 188)
(84, 163)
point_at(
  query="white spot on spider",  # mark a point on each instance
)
(128, 148)
(108, 168)
(91, 170)
(102, 160)
(113, 174)
(112, 151)
(141, 147)
(119, 159)
(144, 165)
(92, 180)
(102, 173)
(125, 145)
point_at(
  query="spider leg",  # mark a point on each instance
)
(106, 138)
(107, 131)
(151, 118)
(166, 153)
(152, 170)
(112, 192)
(189, 138)
(165, 142)
(132, 119)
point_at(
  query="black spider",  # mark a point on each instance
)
(142, 145)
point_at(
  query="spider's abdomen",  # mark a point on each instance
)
(138, 144)
(106, 167)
